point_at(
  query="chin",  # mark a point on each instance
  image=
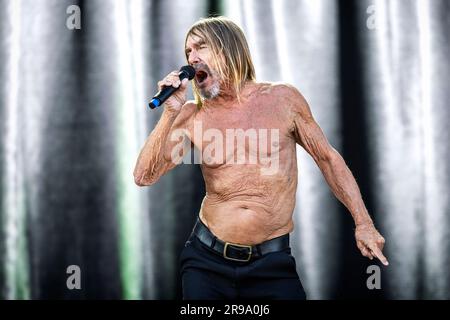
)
(210, 93)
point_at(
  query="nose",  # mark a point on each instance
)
(193, 57)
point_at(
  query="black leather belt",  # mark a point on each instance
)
(238, 252)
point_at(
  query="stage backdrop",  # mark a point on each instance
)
(74, 117)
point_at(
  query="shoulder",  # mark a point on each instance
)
(188, 109)
(281, 90)
(186, 113)
(288, 91)
(287, 96)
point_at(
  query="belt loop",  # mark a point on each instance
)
(213, 243)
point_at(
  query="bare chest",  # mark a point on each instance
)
(247, 134)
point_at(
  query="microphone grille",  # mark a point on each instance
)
(190, 71)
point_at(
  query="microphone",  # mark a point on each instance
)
(166, 92)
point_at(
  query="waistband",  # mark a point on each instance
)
(238, 252)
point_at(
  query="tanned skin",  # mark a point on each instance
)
(242, 205)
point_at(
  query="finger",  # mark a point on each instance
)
(360, 246)
(184, 83)
(173, 76)
(165, 81)
(367, 253)
(381, 243)
(161, 84)
(170, 83)
(364, 251)
(174, 81)
(377, 252)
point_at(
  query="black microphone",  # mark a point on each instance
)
(166, 92)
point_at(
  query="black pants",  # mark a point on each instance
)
(208, 276)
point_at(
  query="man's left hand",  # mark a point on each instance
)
(370, 242)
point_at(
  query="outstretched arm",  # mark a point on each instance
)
(308, 134)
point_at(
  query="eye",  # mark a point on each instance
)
(203, 46)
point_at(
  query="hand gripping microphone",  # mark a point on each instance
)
(166, 92)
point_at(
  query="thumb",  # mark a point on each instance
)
(184, 83)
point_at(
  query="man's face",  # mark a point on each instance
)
(200, 56)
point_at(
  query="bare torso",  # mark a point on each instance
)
(251, 202)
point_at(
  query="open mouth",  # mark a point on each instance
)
(201, 76)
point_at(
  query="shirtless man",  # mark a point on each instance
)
(239, 247)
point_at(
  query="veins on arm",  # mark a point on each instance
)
(310, 136)
(155, 157)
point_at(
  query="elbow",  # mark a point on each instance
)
(141, 179)
(139, 182)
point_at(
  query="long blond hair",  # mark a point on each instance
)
(229, 49)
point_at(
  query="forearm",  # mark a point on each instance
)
(344, 186)
(151, 164)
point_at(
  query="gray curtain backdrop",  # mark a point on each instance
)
(74, 117)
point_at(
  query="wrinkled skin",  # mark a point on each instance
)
(241, 204)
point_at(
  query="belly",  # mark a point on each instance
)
(245, 207)
(246, 221)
